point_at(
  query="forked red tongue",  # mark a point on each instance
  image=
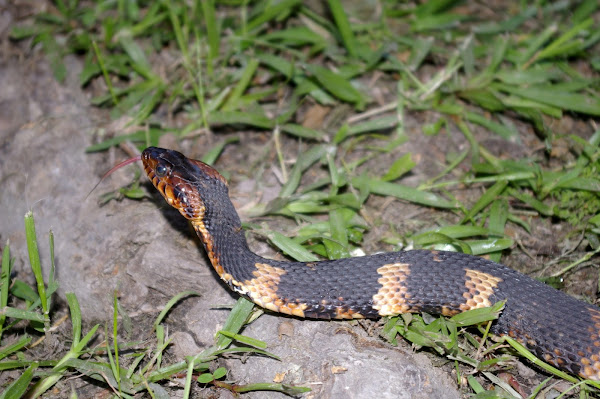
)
(117, 166)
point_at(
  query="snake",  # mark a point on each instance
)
(561, 330)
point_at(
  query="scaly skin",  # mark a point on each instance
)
(556, 327)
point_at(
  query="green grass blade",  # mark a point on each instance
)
(212, 31)
(15, 346)
(475, 386)
(150, 100)
(437, 22)
(546, 94)
(497, 221)
(21, 314)
(75, 318)
(244, 339)
(508, 25)
(115, 332)
(420, 50)
(536, 42)
(303, 132)
(580, 183)
(172, 302)
(265, 386)
(535, 75)
(557, 46)
(188, 378)
(304, 161)
(337, 247)
(406, 193)
(84, 341)
(270, 13)
(36, 265)
(338, 85)
(235, 321)
(210, 157)
(585, 10)
(18, 388)
(532, 358)
(114, 371)
(178, 30)
(76, 349)
(278, 64)
(476, 316)
(52, 275)
(490, 195)
(343, 25)
(234, 98)
(373, 125)
(246, 350)
(295, 37)
(400, 167)
(290, 247)
(105, 74)
(534, 203)
(491, 245)
(101, 371)
(54, 53)
(4, 284)
(161, 346)
(139, 61)
(441, 241)
(245, 118)
(461, 231)
(509, 133)
(23, 291)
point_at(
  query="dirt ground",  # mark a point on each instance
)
(146, 252)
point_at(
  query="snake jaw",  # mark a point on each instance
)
(161, 167)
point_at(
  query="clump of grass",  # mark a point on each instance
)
(224, 51)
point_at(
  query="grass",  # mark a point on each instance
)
(260, 65)
(139, 369)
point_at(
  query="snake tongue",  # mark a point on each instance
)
(117, 166)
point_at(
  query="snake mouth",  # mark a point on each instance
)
(166, 171)
(151, 159)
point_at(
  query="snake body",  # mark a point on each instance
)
(559, 329)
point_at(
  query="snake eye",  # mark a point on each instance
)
(161, 171)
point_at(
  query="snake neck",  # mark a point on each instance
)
(220, 230)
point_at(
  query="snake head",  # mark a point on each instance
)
(183, 182)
